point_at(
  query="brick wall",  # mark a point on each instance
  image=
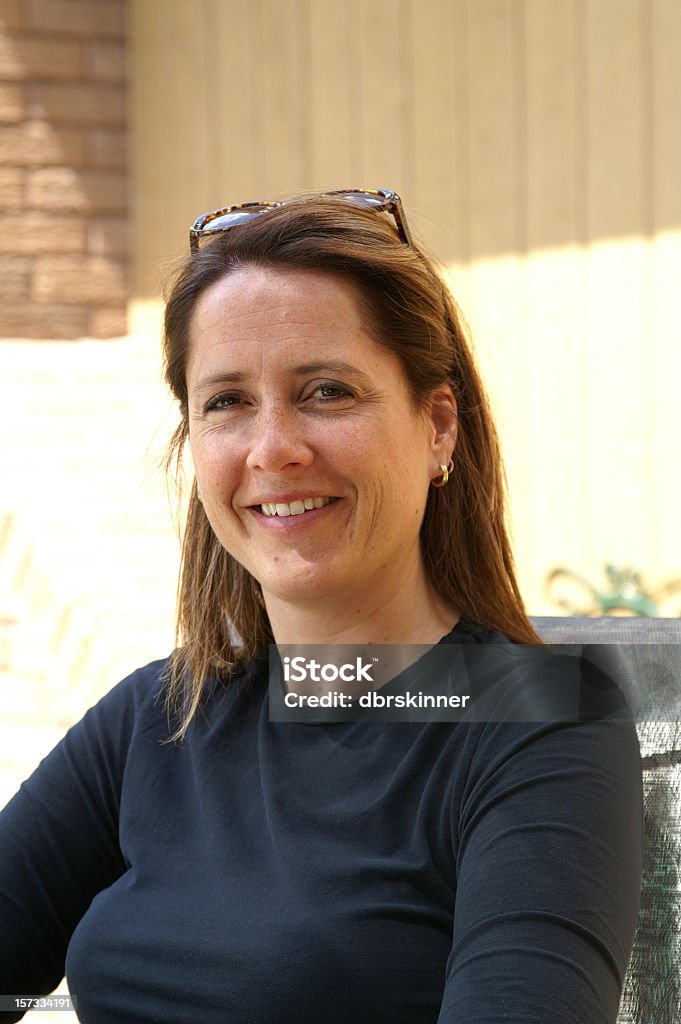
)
(63, 198)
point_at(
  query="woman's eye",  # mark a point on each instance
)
(224, 401)
(330, 392)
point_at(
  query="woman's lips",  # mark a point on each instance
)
(287, 515)
(294, 508)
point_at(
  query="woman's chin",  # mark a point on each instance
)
(308, 585)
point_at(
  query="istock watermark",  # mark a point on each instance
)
(473, 683)
(300, 670)
(24, 1003)
(397, 682)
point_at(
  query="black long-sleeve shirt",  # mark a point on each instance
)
(460, 873)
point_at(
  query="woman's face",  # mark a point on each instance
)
(312, 460)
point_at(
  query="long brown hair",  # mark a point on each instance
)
(222, 621)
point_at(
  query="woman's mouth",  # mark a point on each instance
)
(293, 508)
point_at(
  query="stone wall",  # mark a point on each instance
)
(63, 182)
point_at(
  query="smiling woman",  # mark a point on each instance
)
(189, 859)
(319, 345)
(290, 431)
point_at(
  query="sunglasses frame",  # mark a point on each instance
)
(391, 204)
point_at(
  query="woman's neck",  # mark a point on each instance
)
(409, 614)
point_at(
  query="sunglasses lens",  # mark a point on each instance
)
(231, 219)
(363, 199)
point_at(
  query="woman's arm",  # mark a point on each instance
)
(59, 845)
(548, 875)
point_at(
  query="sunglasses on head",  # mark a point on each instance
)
(218, 222)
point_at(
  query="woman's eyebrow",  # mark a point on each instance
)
(323, 366)
(330, 366)
(213, 379)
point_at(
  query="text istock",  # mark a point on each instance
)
(300, 670)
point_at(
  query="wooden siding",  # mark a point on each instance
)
(537, 146)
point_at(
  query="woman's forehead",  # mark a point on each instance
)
(251, 294)
(308, 316)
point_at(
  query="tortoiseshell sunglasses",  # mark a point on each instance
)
(217, 222)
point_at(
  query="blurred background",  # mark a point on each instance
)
(537, 148)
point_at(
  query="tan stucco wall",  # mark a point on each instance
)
(537, 146)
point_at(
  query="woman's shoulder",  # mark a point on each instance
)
(539, 679)
(102, 736)
(467, 631)
(135, 694)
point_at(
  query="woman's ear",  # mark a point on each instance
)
(443, 421)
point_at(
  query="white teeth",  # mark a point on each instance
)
(294, 508)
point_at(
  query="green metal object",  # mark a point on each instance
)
(624, 595)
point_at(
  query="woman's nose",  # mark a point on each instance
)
(278, 441)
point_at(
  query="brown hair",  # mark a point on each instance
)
(410, 311)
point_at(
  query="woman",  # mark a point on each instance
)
(348, 491)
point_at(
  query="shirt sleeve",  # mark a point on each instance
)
(549, 870)
(59, 845)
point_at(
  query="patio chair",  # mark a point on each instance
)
(644, 657)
